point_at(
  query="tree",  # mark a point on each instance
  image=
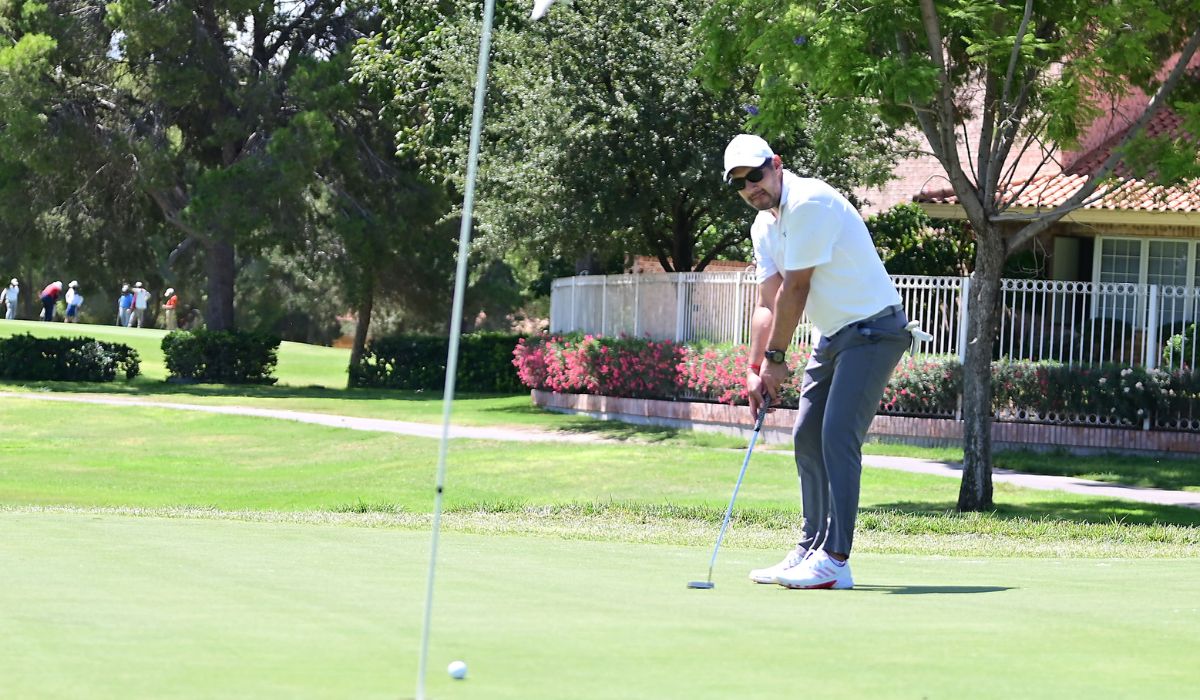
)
(1034, 74)
(179, 104)
(910, 243)
(610, 147)
(386, 218)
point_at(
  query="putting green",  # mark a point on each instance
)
(107, 606)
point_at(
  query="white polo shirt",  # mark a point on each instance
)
(819, 228)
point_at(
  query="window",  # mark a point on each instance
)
(1161, 262)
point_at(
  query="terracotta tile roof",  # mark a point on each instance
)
(1128, 193)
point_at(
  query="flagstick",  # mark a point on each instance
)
(464, 248)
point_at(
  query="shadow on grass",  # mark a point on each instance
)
(926, 590)
(1096, 512)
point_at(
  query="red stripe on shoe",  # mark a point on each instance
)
(826, 584)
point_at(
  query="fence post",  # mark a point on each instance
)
(680, 302)
(637, 304)
(964, 316)
(1150, 359)
(740, 311)
(574, 287)
(604, 305)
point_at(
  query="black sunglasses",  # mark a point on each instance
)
(737, 184)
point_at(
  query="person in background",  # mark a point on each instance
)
(11, 293)
(49, 297)
(141, 299)
(124, 305)
(74, 300)
(169, 309)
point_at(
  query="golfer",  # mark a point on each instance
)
(814, 255)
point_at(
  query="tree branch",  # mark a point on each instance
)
(940, 130)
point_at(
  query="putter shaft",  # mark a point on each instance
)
(762, 414)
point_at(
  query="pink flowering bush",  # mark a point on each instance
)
(632, 367)
(718, 372)
(925, 385)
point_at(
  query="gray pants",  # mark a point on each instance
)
(843, 383)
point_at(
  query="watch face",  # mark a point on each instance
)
(776, 356)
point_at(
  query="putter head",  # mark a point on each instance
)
(702, 585)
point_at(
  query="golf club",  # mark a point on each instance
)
(758, 424)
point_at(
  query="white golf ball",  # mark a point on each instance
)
(457, 670)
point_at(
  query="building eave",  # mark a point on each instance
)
(1084, 216)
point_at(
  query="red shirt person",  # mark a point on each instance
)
(49, 296)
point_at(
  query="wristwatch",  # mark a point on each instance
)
(778, 357)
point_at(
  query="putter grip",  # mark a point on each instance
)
(762, 413)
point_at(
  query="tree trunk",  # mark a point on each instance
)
(363, 327)
(975, 493)
(219, 264)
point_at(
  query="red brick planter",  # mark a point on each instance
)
(925, 431)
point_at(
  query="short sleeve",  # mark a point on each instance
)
(812, 229)
(763, 263)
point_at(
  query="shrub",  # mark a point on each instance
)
(220, 357)
(718, 372)
(1116, 393)
(66, 359)
(419, 362)
(622, 366)
(923, 385)
(1179, 350)
(910, 243)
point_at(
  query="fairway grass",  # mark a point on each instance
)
(88, 455)
(107, 606)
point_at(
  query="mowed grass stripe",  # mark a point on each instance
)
(156, 459)
(111, 607)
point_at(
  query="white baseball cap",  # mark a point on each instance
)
(124, 288)
(169, 292)
(14, 281)
(137, 284)
(73, 284)
(746, 151)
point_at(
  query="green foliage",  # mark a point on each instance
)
(923, 385)
(220, 357)
(66, 359)
(419, 362)
(910, 243)
(616, 155)
(1180, 349)
(1114, 393)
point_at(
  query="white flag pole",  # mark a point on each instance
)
(460, 284)
(464, 248)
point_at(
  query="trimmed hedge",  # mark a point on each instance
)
(66, 359)
(419, 362)
(220, 357)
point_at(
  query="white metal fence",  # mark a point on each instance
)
(1078, 323)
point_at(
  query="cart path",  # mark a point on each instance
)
(1186, 499)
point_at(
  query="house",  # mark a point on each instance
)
(1129, 232)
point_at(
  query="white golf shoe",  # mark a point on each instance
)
(818, 570)
(771, 573)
